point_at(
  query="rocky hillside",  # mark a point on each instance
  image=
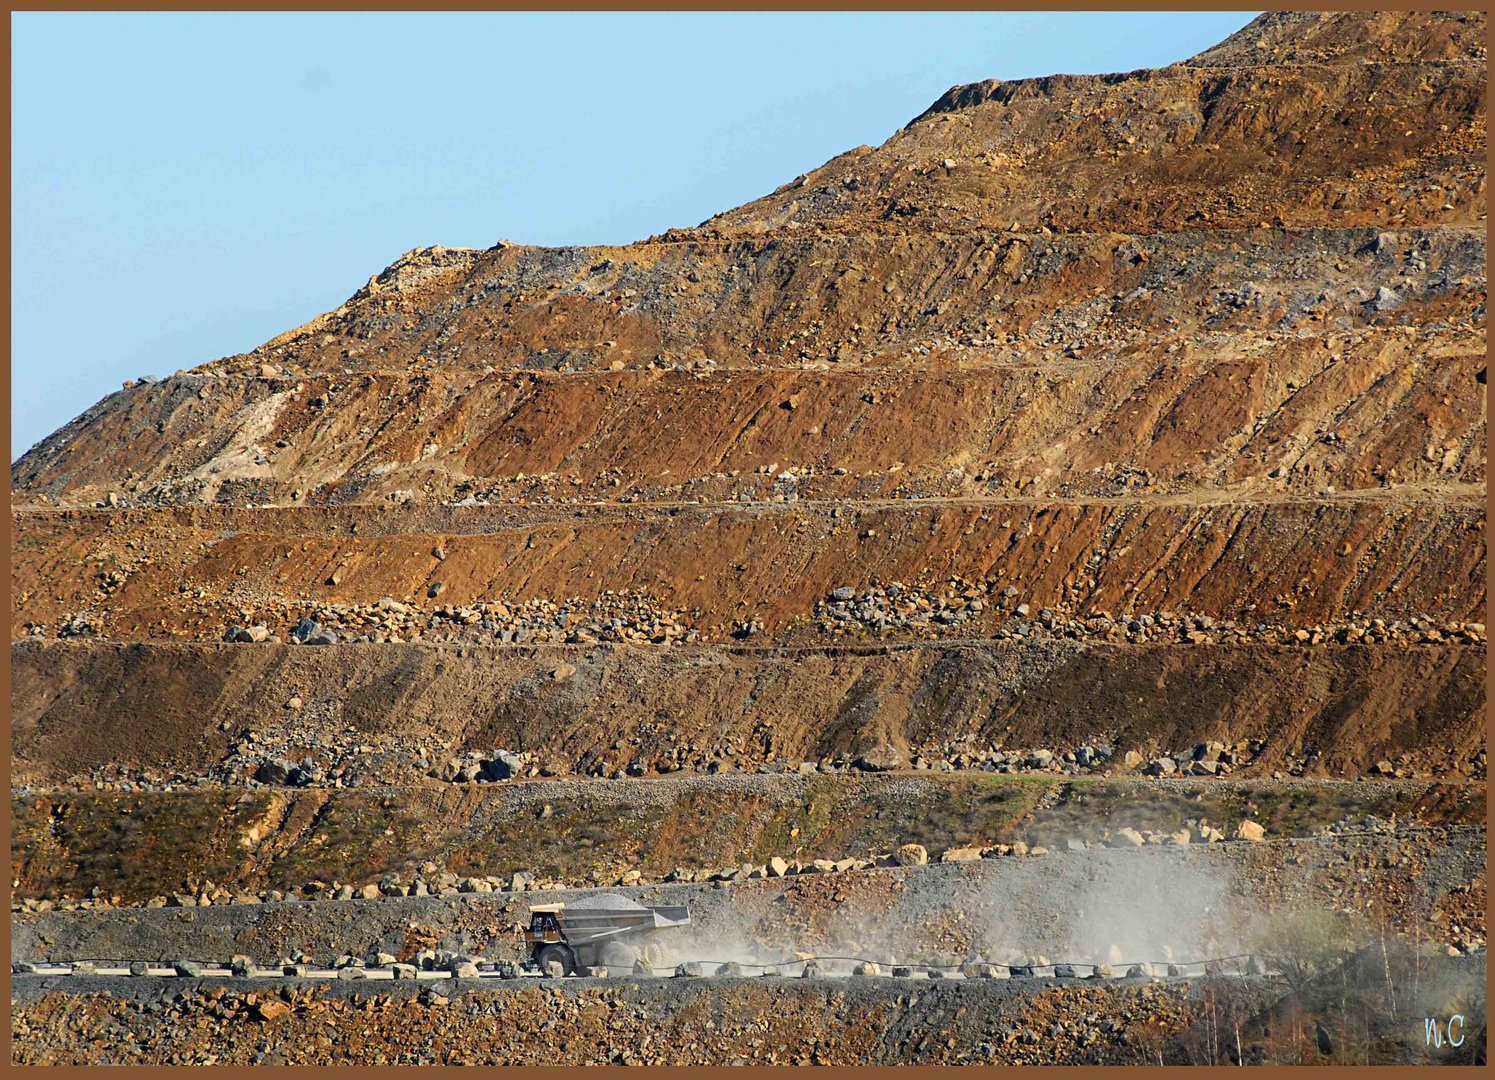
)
(1099, 463)
(1067, 357)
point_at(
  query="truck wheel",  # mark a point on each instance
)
(556, 954)
(617, 955)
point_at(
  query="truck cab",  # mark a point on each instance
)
(544, 928)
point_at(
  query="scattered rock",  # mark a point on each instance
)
(274, 773)
(1250, 830)
(266, 1011)
(911, 855)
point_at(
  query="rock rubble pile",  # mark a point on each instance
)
(987, 608)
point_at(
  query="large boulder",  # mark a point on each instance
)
(310, 632)
(911, 855)
(879, 759)
(1250, 830)
(1209, 751)
(500, 766)
(272, 772)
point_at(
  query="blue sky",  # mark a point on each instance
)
(187, 186)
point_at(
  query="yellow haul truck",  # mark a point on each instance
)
(608, 930)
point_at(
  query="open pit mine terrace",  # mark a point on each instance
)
(885, 964)
(1010, 584)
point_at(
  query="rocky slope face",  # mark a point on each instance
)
(659, 1022)
(742, 1020)
(1206, 340)
(1087, 423)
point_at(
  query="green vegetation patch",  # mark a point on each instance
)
(140, 845)
(353, 837)
(1090, 808)
(133, 846)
